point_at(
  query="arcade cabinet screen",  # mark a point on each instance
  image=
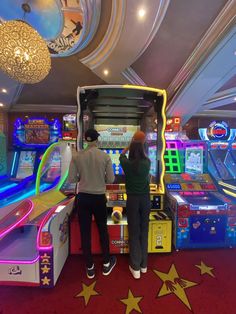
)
(37, 136)
(69, 122)
(194, 160)
(115, 154)
(26, 164)
(114, 136)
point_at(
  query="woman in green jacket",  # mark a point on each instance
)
(136, 168)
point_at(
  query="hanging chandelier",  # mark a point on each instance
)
(24, 55)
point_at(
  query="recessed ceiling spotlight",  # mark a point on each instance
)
(1, 104)
(234, 98)
(4, 90)
(141, 13)
(106, 72)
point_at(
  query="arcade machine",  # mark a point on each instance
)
(31, 138)
(3, 156)
(202, 216)
(34, 241)
(117, 112)
(69, 129)
(221, 155)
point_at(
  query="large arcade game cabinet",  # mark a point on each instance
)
(69, 129)
(34, 234)
(117, 112)
(3, 156)
(30, 140)
(202, 216)
(221, 145)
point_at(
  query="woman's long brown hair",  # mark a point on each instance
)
(136, 153)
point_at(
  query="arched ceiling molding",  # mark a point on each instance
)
(117, 52)
(161, 12)
(111, 37)
(133, 77)
(220, 99)
(216, 32)
(212, 74)
(216, 114)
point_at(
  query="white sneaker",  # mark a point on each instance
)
(143, 270)
(135, 273)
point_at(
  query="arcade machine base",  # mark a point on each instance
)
(159, 240)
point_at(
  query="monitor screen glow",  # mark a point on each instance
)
(194, 160)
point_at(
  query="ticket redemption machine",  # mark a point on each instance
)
(202, 216)
(117, 112)
(34, 237)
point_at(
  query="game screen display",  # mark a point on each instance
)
(194, 160)
(26, 164)
(114, 136)
(115, 154)
(37, 136)
(69, 122)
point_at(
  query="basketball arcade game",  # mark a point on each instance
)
(117, 112)
(30, 140)
(34, 240)
(221, 155)
(201, 215)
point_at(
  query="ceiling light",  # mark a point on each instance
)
(24, 53)
(4, 90)
(234, 98)
(106, 72)
(1, 104)
(141, 13)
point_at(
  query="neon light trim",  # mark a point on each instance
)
(42, 163)
(229, 193)
(163, 140)
(6, 187)
(13, 163)
(227, 185)
(151, 89)
(19, 262)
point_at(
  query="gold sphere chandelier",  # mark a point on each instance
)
(24, 55)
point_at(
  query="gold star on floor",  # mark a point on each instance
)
(172, 283)
(205, 269)
(87, 292)
(132, 303)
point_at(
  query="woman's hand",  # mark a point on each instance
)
(124, 151)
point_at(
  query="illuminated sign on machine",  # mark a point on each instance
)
(218, 130)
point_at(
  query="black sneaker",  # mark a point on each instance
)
(90, 272)
(107, 269)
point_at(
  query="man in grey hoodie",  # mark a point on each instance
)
(92, 169)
